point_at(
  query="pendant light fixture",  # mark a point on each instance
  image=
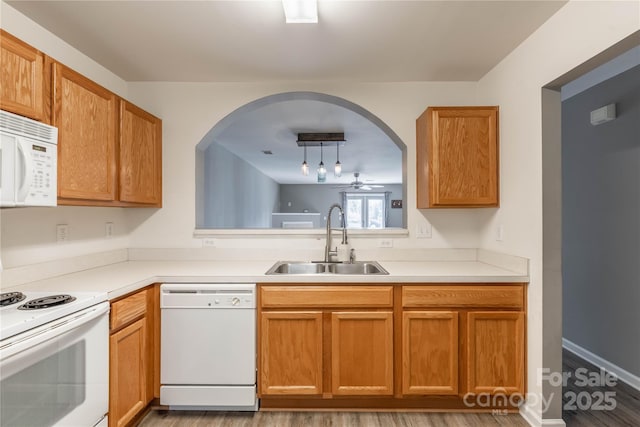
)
(305, 165)
(319, 139)
(337, 170)
(322, 171)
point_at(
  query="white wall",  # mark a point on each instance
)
(29, 234)
(190, 110)
(576, 33)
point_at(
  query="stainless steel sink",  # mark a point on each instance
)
(297, 268)
(362, 267)
(314, 268)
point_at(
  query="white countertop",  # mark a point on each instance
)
(124, 277)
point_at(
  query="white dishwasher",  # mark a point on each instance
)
(208, 346)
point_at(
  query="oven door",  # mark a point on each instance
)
(57, 374)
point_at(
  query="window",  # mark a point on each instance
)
(365, 210)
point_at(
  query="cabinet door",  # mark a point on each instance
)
(85, 114)
(495, 342)
(362, 353)
(291, 353)
(457, 155)
(127, 372)
(21, 81)
(140, 156)
(430, 352)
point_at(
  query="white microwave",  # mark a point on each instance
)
(28, 162)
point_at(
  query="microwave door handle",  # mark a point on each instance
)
(26, 171)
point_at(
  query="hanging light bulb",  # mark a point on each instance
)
(337, 170)
(305, 165)
(322, 171)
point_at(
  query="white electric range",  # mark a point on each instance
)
(54, 358)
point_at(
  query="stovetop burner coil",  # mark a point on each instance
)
(8, 298)
(46, 302)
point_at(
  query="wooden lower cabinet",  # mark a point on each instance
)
(291, 357)
(324, 340)
(133, 356)
(362, 353)
(495, 342)
(415, 346)
(128, 382)
(430, 352)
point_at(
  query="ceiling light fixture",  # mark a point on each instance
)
(322, 171)
(300, 11)
(319, 139)
(305, 165)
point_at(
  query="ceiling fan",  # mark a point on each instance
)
(359, 185)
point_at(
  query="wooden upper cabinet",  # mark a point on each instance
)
(85, 114)
(140, 156)
(21, 80)
(457, 157)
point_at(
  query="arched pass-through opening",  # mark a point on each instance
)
(248, 164)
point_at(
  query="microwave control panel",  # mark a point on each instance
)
(43, 188)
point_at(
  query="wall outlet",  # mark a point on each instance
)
(62, 233)
(385, 243)
(209, 243)
(500, 233)
(423, 231)
(108, 230)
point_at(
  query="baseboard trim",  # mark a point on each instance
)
(623, 375)
(534, 419)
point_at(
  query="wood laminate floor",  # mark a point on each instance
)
(625, 413)
(583, 406)
(327, 419)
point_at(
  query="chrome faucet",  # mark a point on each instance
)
(328, 252)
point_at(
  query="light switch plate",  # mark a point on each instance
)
(424, 230)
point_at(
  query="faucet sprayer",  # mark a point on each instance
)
(328, 252)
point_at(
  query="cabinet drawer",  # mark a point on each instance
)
(326, 296)
(499, 296)
(128, 309)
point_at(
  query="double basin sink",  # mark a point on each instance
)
(312, 267)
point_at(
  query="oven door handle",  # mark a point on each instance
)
(22, 342)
